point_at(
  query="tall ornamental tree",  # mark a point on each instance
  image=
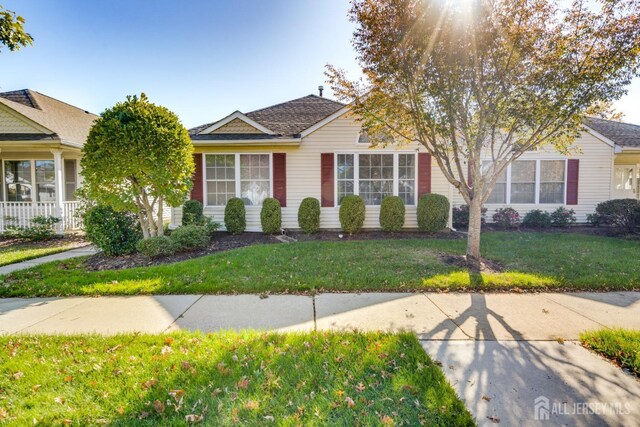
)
(12, 32)
(480, 82)
(138, 157)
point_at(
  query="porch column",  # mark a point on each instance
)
(57, 164)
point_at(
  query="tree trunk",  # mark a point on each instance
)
(473, 238)
(145, 230)
(159, 220)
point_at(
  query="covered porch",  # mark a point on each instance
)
(626, 174)
(39, 182)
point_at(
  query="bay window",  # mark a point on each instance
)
(375, 176)
(531, 182)
(247, 176)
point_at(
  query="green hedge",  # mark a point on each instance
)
(271, 216)
(192, 212)
(351, 214)
(433, 212)
(537, 219)
(190, 237)
(155, 247)
(235, 220)
(309, 215)
(115, 233)
(392, 213)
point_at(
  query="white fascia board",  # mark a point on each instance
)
(600, 136)
(246, 142)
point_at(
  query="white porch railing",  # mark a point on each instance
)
(23, 212)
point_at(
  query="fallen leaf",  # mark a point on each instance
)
(36, 388)
(350, 402)
(120, 410)
(59, 400)
(158, 406)
(545, 311)
(193, 419)
(269, 418)
(67, 422)
(18, 375)
(68, 378)
(485, 397)
(493, 419)
(243, 383)
(168, 341)
(148, 384)
(360, 387)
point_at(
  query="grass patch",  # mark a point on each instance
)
(620, 345)
(19, 252)
(539, 261)
(248, 378)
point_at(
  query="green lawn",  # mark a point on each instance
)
(13, 253)
(619, 345)
(226, 378)
(532, 261)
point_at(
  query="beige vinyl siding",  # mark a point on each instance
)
(594, 181)
(237, 126)
(10, 123)
(303, 175)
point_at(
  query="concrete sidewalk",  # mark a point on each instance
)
(71, 253)
(499, 351)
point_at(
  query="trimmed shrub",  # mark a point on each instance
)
(192, 212)
(351, 214)
(209, 224)
(507, 217)
(309, 215)
(460, 216)
(537, 219)
(189, 237)
(594, 219)
(623, 214)
(235, 220)
(563, 217)
(433, 212)
(115, 233)
(271, 216)
(155, 247)
(392, 213)
(41, 228)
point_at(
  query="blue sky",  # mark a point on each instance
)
(201, 59)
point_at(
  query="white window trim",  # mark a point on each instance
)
(34, 192)
(537, 183)
(205, 196)
(356, 173)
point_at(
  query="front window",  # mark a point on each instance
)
(552, 181)
(375, 176)
(45, 181)
(499, 192)
(523, 181)
(247, 176)
(17, 178)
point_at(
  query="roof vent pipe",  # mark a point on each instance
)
(320, 89)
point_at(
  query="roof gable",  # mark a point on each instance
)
(622, 134)
(238, 119)
(13, 123)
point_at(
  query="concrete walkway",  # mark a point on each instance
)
(71, 253)
(500, 352)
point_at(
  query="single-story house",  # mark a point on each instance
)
(313, 147)
(41, 141)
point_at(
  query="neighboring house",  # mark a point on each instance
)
(41, 142)
(313, 147)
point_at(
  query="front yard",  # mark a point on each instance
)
(224, 379)
(12, 251)
(526, 261)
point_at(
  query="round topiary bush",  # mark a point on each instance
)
(392, 213)
(351, 214)
(563, 217)
(433, 212)
(155, 247)
(622, 214)
(537, 219)
(507, 217)
(192, 212)
(189, 237)
(271, 216)
(309, 215)
(115, 233)
(235, 220)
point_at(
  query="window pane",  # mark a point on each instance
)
(220, 176)
(552, 192)
(499, 193)
(45, 181)
(552, 171)
(523, 193)
(255, 178)
(346, 170)
(407, 190)
(18, 180)
(523, 171)
(376, 177)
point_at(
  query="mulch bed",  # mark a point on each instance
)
(221, 241)
(488, 266)
(73, 240)
(329, 236)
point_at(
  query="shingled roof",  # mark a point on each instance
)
(622, 134)
(287, 119)
(68, 123)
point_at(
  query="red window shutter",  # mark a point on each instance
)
(197, 192)
(573, 173)
(424, 174)
(280, 178)
(326, 179)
